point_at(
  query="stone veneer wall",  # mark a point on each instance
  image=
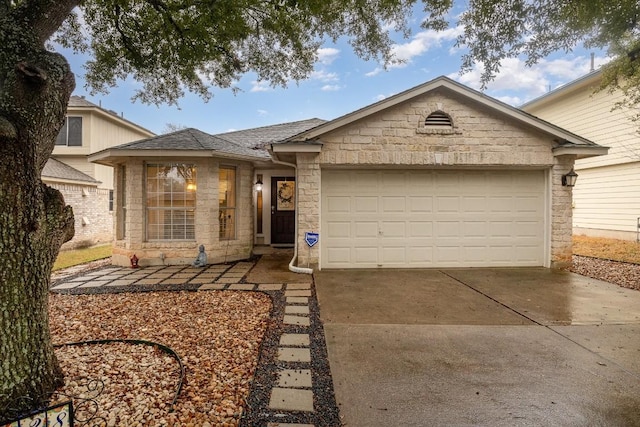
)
(308, 206)
(398, 138)
(206, 217)
(93, 221)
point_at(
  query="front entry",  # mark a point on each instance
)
(283, 202)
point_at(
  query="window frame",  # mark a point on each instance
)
(63, 138)
(185, 214)
(224, 218)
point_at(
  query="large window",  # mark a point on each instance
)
(171, 201)
(71, 132)
(227, 202)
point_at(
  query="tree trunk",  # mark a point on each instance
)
(35, 86)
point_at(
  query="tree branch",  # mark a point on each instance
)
(44, 16)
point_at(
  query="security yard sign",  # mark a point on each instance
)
(311, 238)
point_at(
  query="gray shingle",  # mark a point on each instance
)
(55, 169)
(260, 138)
(190, 140)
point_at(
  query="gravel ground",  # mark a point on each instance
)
(218, 335)
(623, 274)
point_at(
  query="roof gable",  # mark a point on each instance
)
(564, 137)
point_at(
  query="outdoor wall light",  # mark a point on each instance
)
(569, 179)
(258, 184)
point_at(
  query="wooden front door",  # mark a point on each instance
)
(283, 202)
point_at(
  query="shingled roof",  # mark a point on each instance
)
(260, 138)
(56, 170)
(188, 140)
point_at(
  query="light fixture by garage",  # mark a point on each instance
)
(569, 179)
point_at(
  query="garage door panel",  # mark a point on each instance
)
(433, 218)
(337, 204)
(366, 255)
(337, 230)
(365, 204)
(365, 229)
(420, 205)
(420, 229)
(393, 204)
(447, 204)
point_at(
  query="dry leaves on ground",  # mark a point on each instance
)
(217, 335)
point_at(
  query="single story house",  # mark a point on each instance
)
(437, 176)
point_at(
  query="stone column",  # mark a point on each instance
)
(562, 214)
(308, 206)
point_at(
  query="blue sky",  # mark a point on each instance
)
(341, 83)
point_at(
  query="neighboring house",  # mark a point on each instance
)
(607, 194)
(93, 223)
(89, 128)
(437, 176)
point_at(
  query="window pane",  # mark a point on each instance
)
(170, 202)
(75, 131)
(227, 202)
(62, 136)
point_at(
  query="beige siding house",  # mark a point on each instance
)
(606, 198)
(86, 186)
(437, 176)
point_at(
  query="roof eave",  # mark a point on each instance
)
(110, 157)
(297, 147)
(580, 152)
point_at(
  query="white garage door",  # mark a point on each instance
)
(405, 219)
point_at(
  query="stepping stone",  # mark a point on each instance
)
(121, 282)
(82, 279)
(291, 399)
(199, 280)
(94, 284)
(297, 300)
(148, 282)
(228, 280)
(212, 287)
(241, 287)
(295, 378)
(298, 286)
(296, 309)
(68, 285)
(303, 293)
(234, 274)
(173, 281)
(294, 355)
(270, 287)
(294, 340)
(296, 320)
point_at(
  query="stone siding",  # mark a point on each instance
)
(398, 138)
(93, 220)
(206, 218)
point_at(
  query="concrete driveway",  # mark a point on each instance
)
(494, 347)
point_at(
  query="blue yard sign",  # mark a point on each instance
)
(311, 238)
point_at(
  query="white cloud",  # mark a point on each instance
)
(324, 76)
(375, 72)
(402, 54)
(260, 86)
(262, 113)
(379, 97)
(331, 88)
(421, 43)
(524, 83)
(326, 55)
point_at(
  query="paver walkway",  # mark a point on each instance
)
(293, 388)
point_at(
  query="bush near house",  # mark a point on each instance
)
(610, 249)
(80, 256)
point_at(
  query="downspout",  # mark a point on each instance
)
(292, 267)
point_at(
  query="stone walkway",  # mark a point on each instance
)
(293, 388)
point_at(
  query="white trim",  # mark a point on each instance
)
(581, 152)
(296, 148)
